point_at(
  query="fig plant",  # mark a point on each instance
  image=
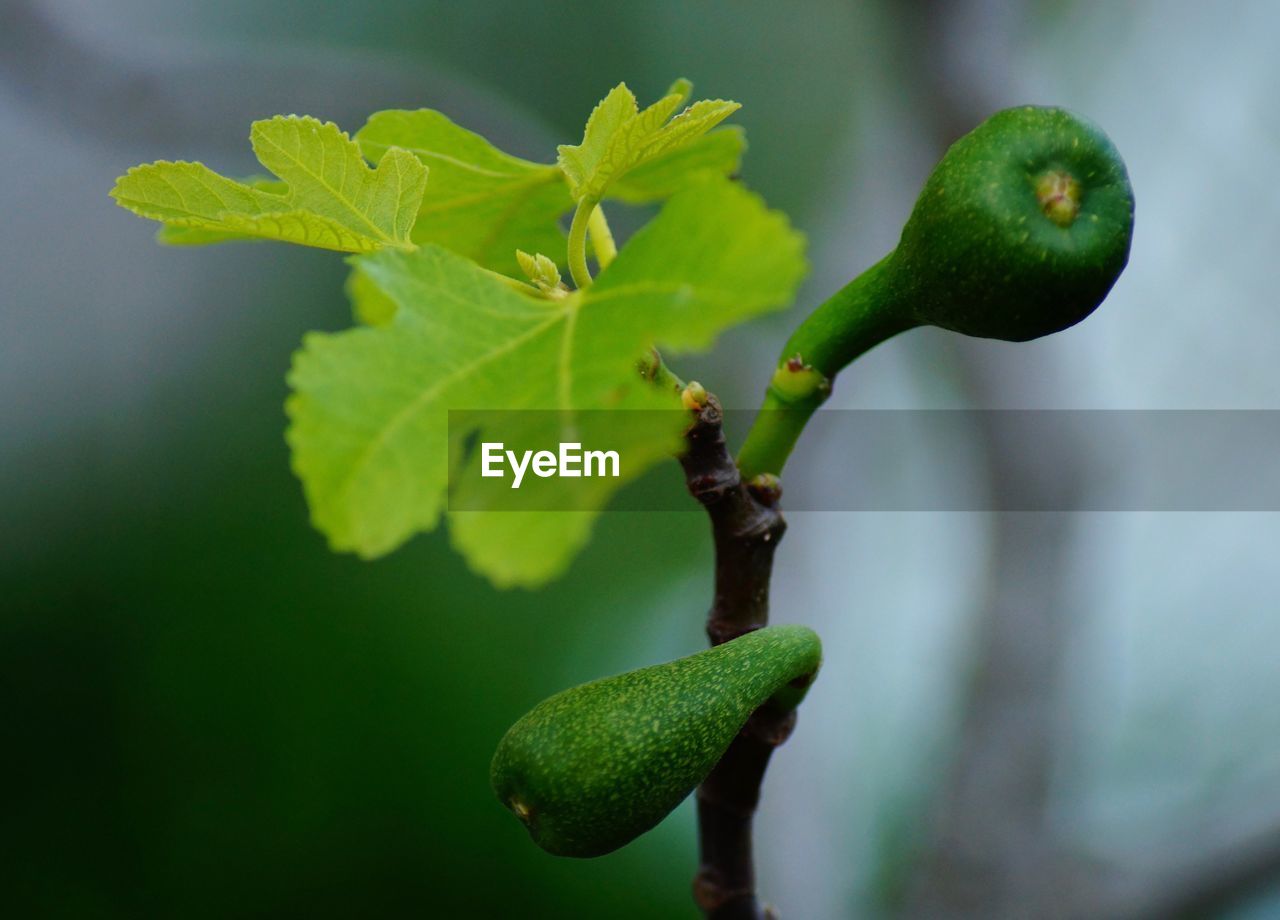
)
(459, 302)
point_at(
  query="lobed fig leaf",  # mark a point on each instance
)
(621, 137)
(327, 196)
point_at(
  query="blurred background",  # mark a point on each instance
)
(207, 714)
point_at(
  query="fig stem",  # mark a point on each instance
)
(746, 526)
(855, 319)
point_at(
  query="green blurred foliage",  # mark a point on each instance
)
(219, 718)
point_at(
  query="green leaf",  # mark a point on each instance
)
(369, 416)
(482, 203)
(177, 235)
(581, 162)
(619, 137)
(716, 154)
(714, 256)
(524, 549)
(327, 197)
(370, 430)
(369, 305)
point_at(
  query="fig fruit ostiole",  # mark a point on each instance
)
(1019, 232)
(593, 767)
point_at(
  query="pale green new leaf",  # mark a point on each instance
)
(369, 412)
(176, 235)
(328, 196)
(718, 153)
(482, 202)
(580, 162)
(619, 137)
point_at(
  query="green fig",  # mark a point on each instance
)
(1019, 232)
(594, 767)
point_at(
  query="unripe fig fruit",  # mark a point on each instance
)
(593, 767)
(1021, 229)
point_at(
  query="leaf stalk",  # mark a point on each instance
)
(578, 243)
(601, 237)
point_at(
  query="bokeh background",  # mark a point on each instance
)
(207, 714)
